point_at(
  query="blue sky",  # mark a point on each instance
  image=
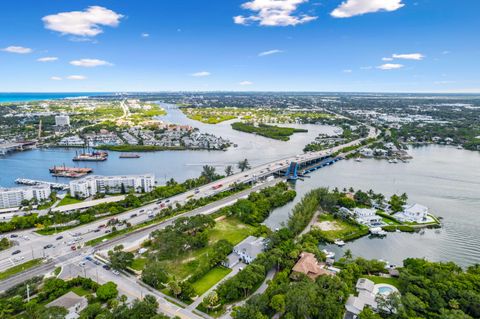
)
(256, 45)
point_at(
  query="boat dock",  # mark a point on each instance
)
(32, 182)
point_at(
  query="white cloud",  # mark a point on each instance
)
(387, 59)
(347, 71)
(89, 63)
(410, 56)
(366, 67)
(145, 35)
(390, 66)
(245, 83)
(76, 77)
(47, 59)
(274, 13)
(85, 23)
(350, 8)
(17, 49)
(200, 74)
(56, 78)
(270, 52)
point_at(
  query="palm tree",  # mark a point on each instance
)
(244, 165)
(348, 254)
(209, 173)
(229, 170)
(175, 288)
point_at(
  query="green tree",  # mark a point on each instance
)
(209, 173)
(229, 170)
(107, 291)
(120, 259)
(175, 288)
(244, 165)
(155, 275)
(211, 301)
(278, 303)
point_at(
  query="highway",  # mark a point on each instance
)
(56, 249)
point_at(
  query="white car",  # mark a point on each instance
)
(18, 258)
(115, 272)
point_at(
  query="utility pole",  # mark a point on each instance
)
(28, 293)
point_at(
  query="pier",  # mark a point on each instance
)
(32, 182)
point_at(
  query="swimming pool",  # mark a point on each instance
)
(385, 290)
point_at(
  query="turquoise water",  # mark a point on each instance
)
(26, 97)
(384, 290)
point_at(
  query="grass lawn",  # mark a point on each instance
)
(229, 228)
(384, 280)
(19, 268)
(343, 229)
(232, 230)
(211, 278)
(138, 264)
(67, 200)
(80, 291)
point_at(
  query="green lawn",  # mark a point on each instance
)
(80, 291)
(229, 229)
(211, 278)
(383, 280)
(19, 268)
(68, 200)
(232, 230)
(138, 264)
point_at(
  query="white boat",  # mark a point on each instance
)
(329, 254)
(339, 242)
(378, 231)
(358, 159)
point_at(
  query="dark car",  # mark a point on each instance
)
(13, 236)
(59, 237)
(133, 215)
(96, 262)
(16, 252)
(96, 230)
(106, 267)
(48, 246)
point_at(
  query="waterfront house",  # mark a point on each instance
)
(310, 267)
(367, 216)
(415, 213)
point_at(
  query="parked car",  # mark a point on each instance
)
(133, 215)
(47, 246)
(115, 272)
(106, 267)
(13, 236)
(73, 248)
(59, 237)
(16, 252)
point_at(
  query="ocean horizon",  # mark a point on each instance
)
(29, 97)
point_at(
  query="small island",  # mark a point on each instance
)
(269, 131)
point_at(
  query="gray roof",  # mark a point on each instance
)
(67, 301)
(251, 246)
(365, 284)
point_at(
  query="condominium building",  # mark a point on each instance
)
(13, 197)
(92, 185)
(62, 120)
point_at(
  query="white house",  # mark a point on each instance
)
(246, 251)
(367, 216)
(413, 213)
